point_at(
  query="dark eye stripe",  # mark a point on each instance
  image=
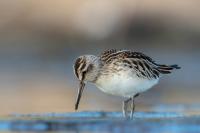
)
(83, 75)
(76, 66)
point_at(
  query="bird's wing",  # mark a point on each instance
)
(143, 64)
(111, 54)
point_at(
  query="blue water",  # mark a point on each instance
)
(108, 122)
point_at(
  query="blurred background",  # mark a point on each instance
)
(39, 41)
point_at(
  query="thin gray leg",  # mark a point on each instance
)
(132, 107)
(125, 107)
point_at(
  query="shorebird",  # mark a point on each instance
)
(121, 73)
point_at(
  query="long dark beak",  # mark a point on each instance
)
(80, 91)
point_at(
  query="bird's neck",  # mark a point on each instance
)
(95, 70)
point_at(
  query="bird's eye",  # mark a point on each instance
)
(83, 75)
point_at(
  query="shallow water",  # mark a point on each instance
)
(106, 122)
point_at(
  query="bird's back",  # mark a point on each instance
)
(145, 66)
(125, 72)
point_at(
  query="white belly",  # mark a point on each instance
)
(124, 85)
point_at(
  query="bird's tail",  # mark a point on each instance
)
(167, 69)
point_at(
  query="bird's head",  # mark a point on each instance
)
(86, 70)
